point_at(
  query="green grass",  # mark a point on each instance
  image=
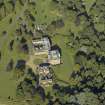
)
(64, 70)
(43, 8)
(7, 84)
(46, 12)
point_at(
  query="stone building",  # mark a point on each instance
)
(54, 57)
(41, 46)
(45, 76)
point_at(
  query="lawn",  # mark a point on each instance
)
(46, 12)
(63, 71)
(7, 83)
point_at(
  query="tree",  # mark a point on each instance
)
(88, 4)
(26, 88)
(25, 48)
(102, 43)
(21, 64)
(10, 65)
(20, 69)
(22, 2)
(11, 45)
(81, 58)
(87, 98)
(56, 24)
(0, 55)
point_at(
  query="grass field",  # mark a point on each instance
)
(43, 9)
(63, 71)
(7, 84)
(46, 12)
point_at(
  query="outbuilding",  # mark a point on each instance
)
(54, 57)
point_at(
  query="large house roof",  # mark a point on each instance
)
(42, 44)
(54, 54)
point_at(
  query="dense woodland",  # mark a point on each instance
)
(88, 44)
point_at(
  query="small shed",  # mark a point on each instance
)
(54, 57)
